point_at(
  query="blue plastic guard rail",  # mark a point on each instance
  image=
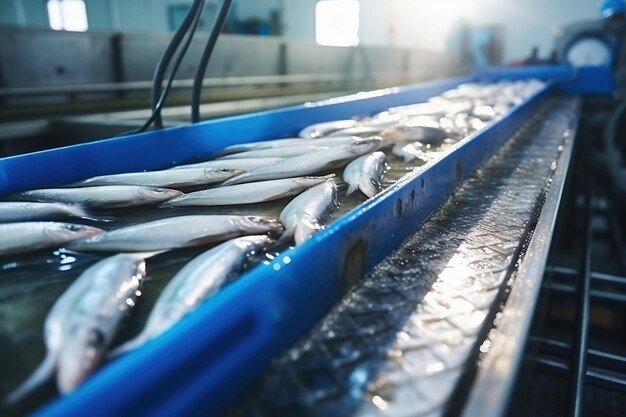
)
(203, 363)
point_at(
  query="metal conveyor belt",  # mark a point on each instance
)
(406, 339)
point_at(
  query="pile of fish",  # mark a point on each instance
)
(311, 170)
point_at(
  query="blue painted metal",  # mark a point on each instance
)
(591, 80)
(169, 146)
(204, 362)
(211, 356)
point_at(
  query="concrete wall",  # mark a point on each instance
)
(400, 23)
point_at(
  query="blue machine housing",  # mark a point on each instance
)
(204, 362)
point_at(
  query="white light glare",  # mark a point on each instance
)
(337, 22)
(68, 15)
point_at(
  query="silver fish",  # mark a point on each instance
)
(404, 133)
(176, 232)
(360, 131)
(28, 236)
(279, 152)
(255, 192)
(485, 113)
(263, 144)
(108, 196)
(283, 143)
(322, 129)
(310, 164)
(364, 173)
(171, 178)
(307, 213)
(194, 283)
(246, 164)
(409, 151)
(83, 321)
(21, 211)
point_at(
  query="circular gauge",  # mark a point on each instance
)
(589, 51)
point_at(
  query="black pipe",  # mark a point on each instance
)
(204, 59)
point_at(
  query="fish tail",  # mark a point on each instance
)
(370, 188)
(304, 230)
(43, 372)
(352, 188)
(285, 237)
(146, 255)
(131, 345)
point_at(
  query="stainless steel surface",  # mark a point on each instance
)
(257, 80)
(405, 340)
(494, 382)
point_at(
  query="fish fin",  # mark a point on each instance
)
(43, 372)
(352, 188)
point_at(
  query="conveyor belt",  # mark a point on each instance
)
(405, 340)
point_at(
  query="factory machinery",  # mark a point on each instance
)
(489, 281)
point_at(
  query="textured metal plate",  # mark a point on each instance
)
(406, 338)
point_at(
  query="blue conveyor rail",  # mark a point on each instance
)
(211, 356)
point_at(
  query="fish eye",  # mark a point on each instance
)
(73, 227)
(96, 338)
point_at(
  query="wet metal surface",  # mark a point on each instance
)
(402, 341)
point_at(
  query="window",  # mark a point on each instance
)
(337, 22)
(67, 15)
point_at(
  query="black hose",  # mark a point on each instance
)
(157, 81)
(204, 60)
(156, 113)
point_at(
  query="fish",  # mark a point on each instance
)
(319, 130)
(409, 151)
(283, 143)
(197, 281)
(360, 131)
(263, 144)
(21, 211)
(308, 212)
(84, 320)
(244, 164)
(485, 113)
(168, 178)
(28, 236)
(255, 192)
(404, 133)
(176, 232)
(279, 152)
(420, 109)
(106, 196)
(416, 150)
(364, 173)
(309, 164)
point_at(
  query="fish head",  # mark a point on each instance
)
(82, 353)
(365, 145)
(158, 193)
(72, 231)
(223, 173)
(255, 224)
